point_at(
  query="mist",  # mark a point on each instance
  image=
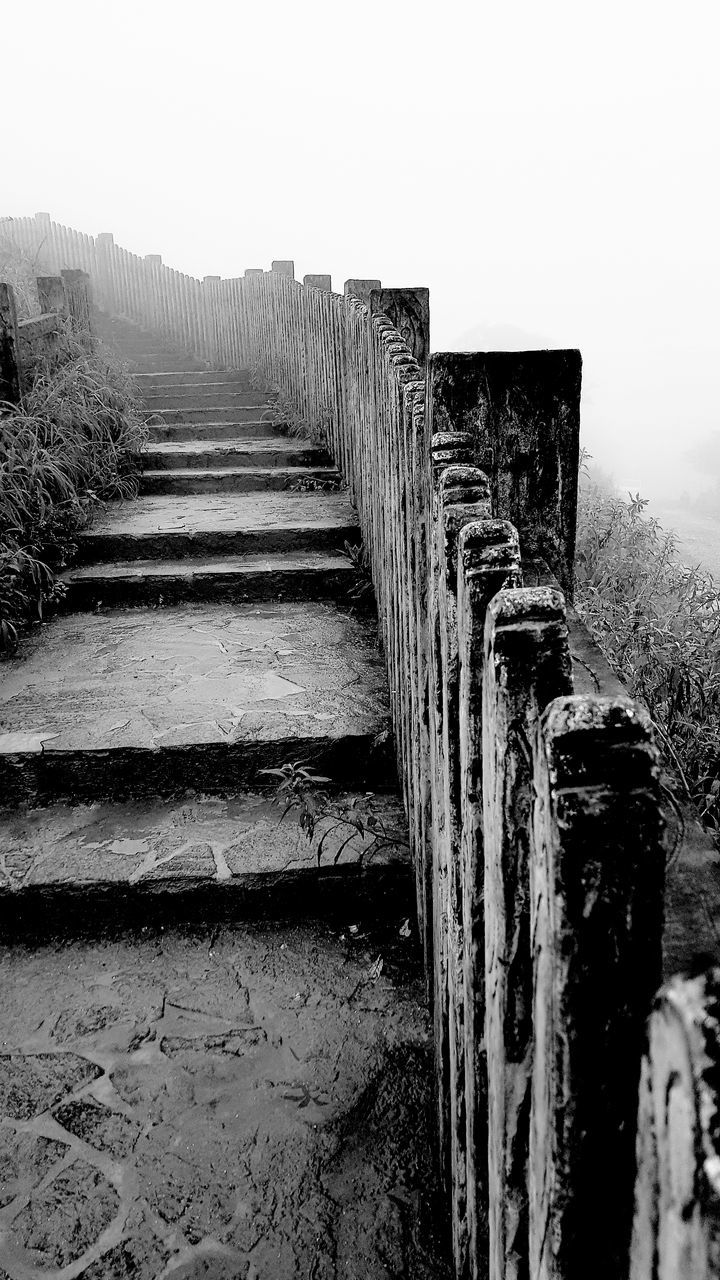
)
(549, 171)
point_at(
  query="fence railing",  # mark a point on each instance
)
(24, 343)
(533, 808)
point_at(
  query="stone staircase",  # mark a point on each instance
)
(215, 1057)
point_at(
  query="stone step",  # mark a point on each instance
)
(204, 431)
(200, 857)
(166, 361)
(145, 702)
(251, 410)
(300, 575)
(194, 377)
(240, 480)
(172, 527)
(267, 451)
(193, 396)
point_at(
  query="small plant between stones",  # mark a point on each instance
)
(359, 555)
(301, 790)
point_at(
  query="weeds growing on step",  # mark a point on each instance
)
(70, 444)
(302, 791)
(358, 554)
(658, 622)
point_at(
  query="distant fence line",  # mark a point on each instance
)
(534, 809)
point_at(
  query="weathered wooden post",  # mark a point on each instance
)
(284, 267)
(361, 289)
(9, 373)
(523, 411)
(408, 310)
(319, 282)
(153, 262)
(463, 497)
(77, 293)
(51, 295)
(597, 870)
(526, 665)
(447, 449)
(103, 250)
(676, 1232)
(488, 560)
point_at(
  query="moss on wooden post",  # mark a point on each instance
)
(522, 408)
(526, 665)
(676, 1232)
(596, 882)
(488, 560)
(408, 310)
(9, 374)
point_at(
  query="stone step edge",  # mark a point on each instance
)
(387, 889)
(227, 566)
(217, 426)
(251, 561)
(174, 544)
(355, 761)
(210, 408)
(200, 877)
(219, 375)
(217, 473)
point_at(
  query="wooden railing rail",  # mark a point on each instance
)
(63, 300)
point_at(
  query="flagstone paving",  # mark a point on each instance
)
(215, 1051)
(247, 1101)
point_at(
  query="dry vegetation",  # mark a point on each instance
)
(658, 622)
(68, 445)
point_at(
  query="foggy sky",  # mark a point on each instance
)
(549, 170)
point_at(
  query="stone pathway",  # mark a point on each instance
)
(215, 1058)
(242, 1102)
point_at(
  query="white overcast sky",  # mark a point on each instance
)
(550, 170)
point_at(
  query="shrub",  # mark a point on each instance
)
(658, 622)
(68, 445)
(20, 269)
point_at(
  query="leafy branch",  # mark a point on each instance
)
(301, 791)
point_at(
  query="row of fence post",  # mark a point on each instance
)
(534, 811)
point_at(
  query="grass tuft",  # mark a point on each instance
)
(658, 623)
(68, 446)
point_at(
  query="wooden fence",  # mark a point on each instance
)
(64, 300)
(533, 804)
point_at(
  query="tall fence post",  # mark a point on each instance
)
(9, 373)
(361, 289)
(597, 874)
(526, 665)
(77, 293)
(103, 250)
(676, 1232)
(459, 494)
(51, 295)
(408, 310)
(523, 411)
(488, 560)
